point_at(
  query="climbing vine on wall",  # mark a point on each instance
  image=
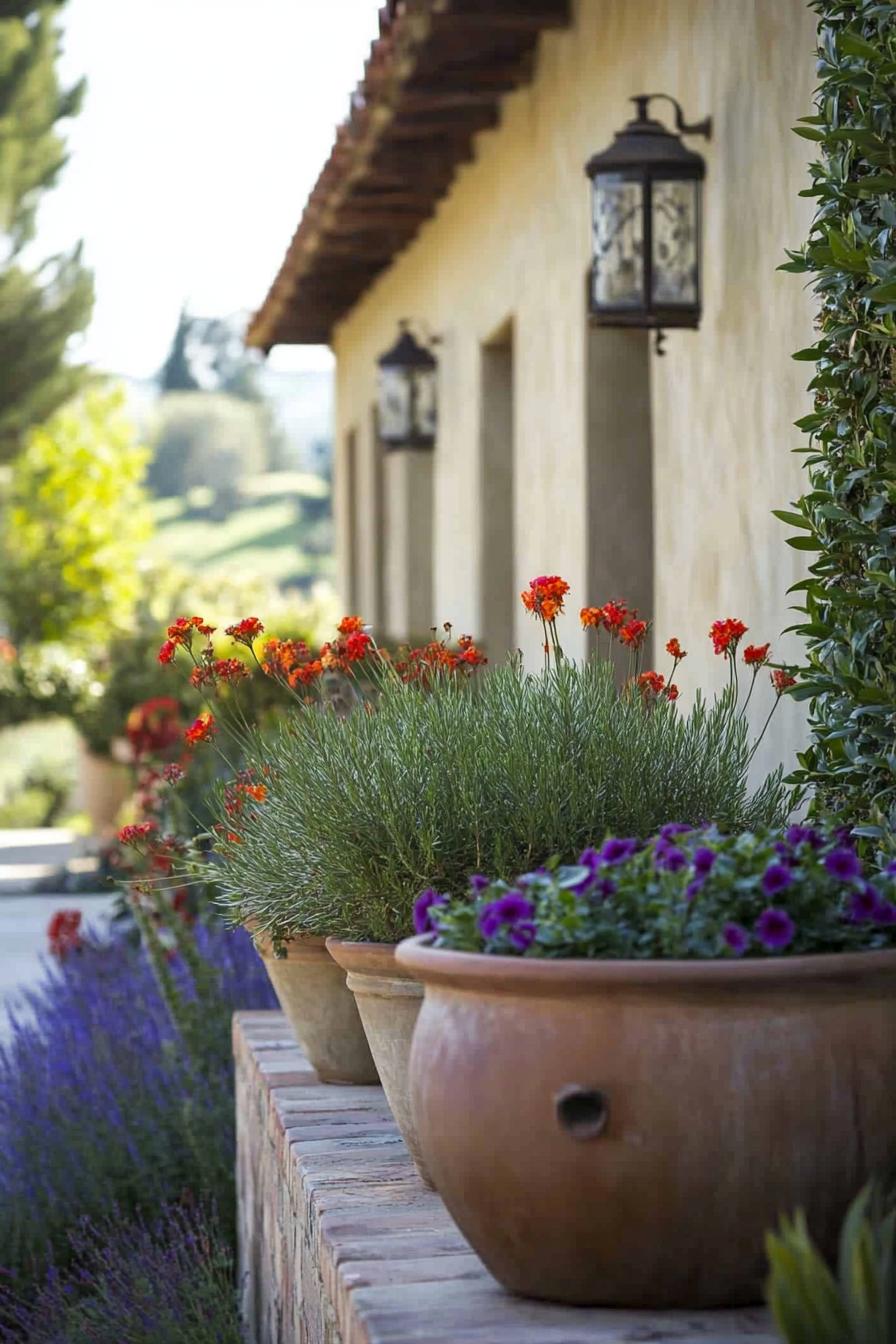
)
(846, 520)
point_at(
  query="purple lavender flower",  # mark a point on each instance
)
(423, 907)
(864, 904)
(670, 858)
(776, 877)
(673, 828)
(616, 850)
(736, 938)
(775, 929)
(478, 883)
(704, 860)
(844, 864)
(510, 909)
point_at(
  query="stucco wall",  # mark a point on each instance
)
(511, 241)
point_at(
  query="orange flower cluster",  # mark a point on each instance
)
(653, 684)
(202, 729)
(154, 726)
(245, 631)
(756, 655)
(726, 635)
(618, 621)
(544, 596)
(633, 633)
(135, 835)
(677, 652)
(240, 791)
(180, 636)
(351, 625)
(218, 669)
(419, 665)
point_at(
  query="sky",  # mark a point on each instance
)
(203, 130)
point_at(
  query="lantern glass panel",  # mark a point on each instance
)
(425, 403)
(675, 225)
(618, 229)
(395, 405)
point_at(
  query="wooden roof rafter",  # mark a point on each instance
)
(435, 78)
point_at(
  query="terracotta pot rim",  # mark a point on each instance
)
(368, 959)
(572, 976)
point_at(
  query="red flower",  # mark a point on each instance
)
(726, 635)
(167, 651)
(470, 654)
(544, 596)
(671, 691)
(154, 726)
(356, 645)
(132, 835)
(615, 615)
(633, 633)
(782, 680)
(306, 673)
(201, 729)
(173, 773)
(246, 630)
(651, 683)
(591, 616)
(756, 655)
(350, 625)
(63, 932)
(674, 648)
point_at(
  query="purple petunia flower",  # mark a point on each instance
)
(510, 909)
(736, 938)
(844, 864)
(616, 850)
(704, 860)
(775, 929)
(478, 883)
(802, 835)
(670, 858)
(864, 904)
(783, 850)
(423, 907)
(693, 888)
(673, 828)
(522, 935)
(590, 858)
(602, 889)
(885, 914)
(776, 877)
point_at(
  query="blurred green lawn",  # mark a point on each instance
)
(266, 538)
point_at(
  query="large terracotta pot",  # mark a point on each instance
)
(319, 1008)
(624, 1133)
(104, 786)
(388, 1000)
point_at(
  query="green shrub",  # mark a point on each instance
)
(492, 776)
(847, 517)
(810, 1305)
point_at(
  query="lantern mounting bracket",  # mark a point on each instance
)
(643, 100)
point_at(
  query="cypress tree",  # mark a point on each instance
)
(42, 307)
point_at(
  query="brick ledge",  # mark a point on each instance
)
(340, 1243)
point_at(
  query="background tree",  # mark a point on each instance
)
(76, 524)
(41, 308)
(206, 439)
(175, 374)
(847, 517)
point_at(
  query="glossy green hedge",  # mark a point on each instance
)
(846, 520)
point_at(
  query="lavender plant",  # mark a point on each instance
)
(102, 1107)
(168, 1282)
(686, 893)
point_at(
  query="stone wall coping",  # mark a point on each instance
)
(341, 1243)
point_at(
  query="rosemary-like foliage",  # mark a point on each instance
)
(494, 776)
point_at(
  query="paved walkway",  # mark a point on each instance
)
(29, 861)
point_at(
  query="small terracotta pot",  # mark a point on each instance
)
(388, 1000)
(104, 786)
(319, 1008)
(624, 1133)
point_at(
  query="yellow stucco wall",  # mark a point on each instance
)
(511, 240)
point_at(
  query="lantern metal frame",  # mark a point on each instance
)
(646, 152)
(413, 359)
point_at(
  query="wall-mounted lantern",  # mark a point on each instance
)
(646, 223)
(407, 393)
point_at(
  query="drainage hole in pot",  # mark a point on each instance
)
(582, 1111)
